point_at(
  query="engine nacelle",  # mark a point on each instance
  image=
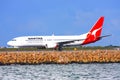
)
(50, 45)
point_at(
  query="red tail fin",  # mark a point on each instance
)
(95, 32)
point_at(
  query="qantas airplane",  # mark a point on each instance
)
(57, 42)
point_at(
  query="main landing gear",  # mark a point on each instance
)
(59, 47)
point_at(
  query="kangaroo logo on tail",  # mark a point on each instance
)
(95, 32)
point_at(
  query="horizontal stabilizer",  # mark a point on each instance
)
(105, 36)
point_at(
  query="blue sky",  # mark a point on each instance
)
(61, 17)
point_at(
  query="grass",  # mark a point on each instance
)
(64, 48)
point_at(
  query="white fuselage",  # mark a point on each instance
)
(45, 41)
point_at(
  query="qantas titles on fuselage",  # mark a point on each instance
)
(59, 41)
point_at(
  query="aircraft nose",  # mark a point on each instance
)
(9, 43)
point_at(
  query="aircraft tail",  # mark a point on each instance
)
(95, 32)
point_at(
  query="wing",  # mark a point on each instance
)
(69, 41)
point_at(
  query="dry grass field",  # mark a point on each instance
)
(64, 57)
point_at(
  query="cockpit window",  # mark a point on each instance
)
(14, 40)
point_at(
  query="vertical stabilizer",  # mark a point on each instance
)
(95, 32)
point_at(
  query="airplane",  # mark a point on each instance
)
(57, 42)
